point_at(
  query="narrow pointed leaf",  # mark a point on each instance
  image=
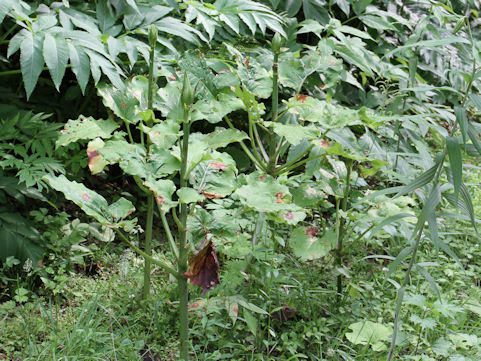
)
(462, 120)
(419, 182)
(456, 163)
(80, 65)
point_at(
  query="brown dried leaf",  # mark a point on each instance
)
(204, 268)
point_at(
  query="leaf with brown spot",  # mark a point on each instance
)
(204, 268)
(211, 195)
(96, 162)
(218, 165)
(301, 97)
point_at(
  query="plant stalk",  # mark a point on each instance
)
(341, 224)
(150, 197)
(182, 264)
(271, 165)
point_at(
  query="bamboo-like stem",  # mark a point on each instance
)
(251, 136)
(341, 224)
(259, 142)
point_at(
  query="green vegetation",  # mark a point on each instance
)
(240, 180)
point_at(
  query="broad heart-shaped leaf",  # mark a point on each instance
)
(294, 133)
(369, 333)
(31, 60)
(308, 244)
(214, 178)
(204, 268)
(202, 146)
(213, 110)
(85, 128)
(323, 113)
(123, 104)
(93, 204)
(264, 194)
(130, 157)
(164, 134)
(307, 194)
(56, 54)
(189, 195)
(163, 190)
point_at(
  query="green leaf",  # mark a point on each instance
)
(214, 178)
(419, 182)
(85, 128)
(294, 133)
(189, 195)
(96, 162)
(31, 60)
(121, 208)
(429, 44)
(163, 189)
(456, 163)
(5, 7)
(462, 120)
(130, 157)
(56, 54)
(369, 333)
(80, 65)
(92, 203)
(264, 194)
(308, 244)
(123, 105)
(476, 100)
(164, 135)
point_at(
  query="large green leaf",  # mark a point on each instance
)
(369, 333)
(162, 190)
(85, 128)
(214, 178)
(123, 104)
(308, 244)
(31, 60)
(321, 112)
(294, 133)
(130, 157)
(264, 194)
(56, 55)
(163, 135)
(93, 204)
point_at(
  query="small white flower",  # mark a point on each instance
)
(27, 266)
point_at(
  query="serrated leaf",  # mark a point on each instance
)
(56, 54)
(85, 128)
(31, 61)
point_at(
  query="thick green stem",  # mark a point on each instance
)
(148, 245)
(182, 264)
(168, 233)
(150, 197)
(275, 111)
(341, 224)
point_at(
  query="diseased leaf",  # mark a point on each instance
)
(162, 190)
(85, 128)
(308, 244)
(204, 268)
(96, 162)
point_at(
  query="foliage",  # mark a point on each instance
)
(318, 178)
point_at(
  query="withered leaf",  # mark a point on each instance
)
(204, 268)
